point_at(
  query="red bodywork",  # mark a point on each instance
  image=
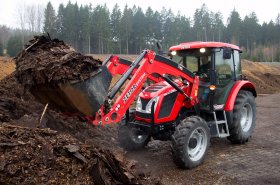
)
(152, 68)
(148, 66)
(239, 85)
(195, 45)
(161, 93)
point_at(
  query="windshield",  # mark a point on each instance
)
(192, 59)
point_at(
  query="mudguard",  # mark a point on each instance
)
(239, 85)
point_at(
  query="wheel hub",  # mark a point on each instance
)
(246, 117)
(197, 144)
(136, 136)
(192, 143)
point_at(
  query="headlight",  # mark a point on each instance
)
(148, 108)
(138, 105)
(149, 105)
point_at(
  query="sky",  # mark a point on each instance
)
(266, 10)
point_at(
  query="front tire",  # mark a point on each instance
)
(190, 142)
(244, 118)
(129, 137)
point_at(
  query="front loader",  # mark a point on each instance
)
(183, 102)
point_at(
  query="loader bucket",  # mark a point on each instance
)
(85, 97)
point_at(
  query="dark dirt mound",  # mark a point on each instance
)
(266, 83)
(15, 102)
(47, 60)
(76, 153)
(19, 107)
(265, 76)
(42, 156)
(59, 76)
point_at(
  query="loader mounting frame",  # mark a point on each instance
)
(148, 65)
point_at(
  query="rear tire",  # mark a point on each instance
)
(129, 137)
(190, 142)
(244, 118)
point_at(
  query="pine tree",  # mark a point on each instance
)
(126, 27)
(1, 49)
(202, 23)
(217, 26)
(138, 30)
(49, 24)
(14, 45)
(234, 27)
(101, 29)
(59, 23)
(116, 28)
(250, 33)
(84, 38)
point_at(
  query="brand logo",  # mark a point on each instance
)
(133, 87)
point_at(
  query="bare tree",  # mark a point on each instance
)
(31, 17)
(39, 18)
(21, 13)
(5, 34)
(34, 18)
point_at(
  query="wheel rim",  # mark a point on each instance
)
(197, 144)
(246, 117)
(137, 138)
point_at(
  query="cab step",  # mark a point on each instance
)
(219, 126)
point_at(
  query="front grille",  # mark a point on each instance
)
(144, 103)
(167, 104)
(154, 88)
(143, 115)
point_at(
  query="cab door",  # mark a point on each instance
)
(227, 71)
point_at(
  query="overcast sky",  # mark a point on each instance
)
(266, 10)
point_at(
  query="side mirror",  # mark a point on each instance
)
(227, 52)
(159, 46)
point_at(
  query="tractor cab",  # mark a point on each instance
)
(217, 65)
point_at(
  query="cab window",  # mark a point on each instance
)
(192, 59)
(237, 64)
(224, 68)
(191, 63)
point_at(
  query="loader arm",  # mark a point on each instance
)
(118, 66)
(145, 66)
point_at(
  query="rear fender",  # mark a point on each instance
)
(239, 85)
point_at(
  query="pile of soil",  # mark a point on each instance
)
(266, 78)
(15, 102)
(47, 60)
(59, 76)
(76, 152)
(43, 156)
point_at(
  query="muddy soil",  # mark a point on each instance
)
(71, 152)
(43, 156)
(45, 60)
(39, 156)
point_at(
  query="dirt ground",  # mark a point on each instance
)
(256, 162)
(7, 66)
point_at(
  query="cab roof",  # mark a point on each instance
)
(195, 45)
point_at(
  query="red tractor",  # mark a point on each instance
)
(196, 93)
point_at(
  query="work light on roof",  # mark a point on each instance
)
(173, 53)
(202, 50)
